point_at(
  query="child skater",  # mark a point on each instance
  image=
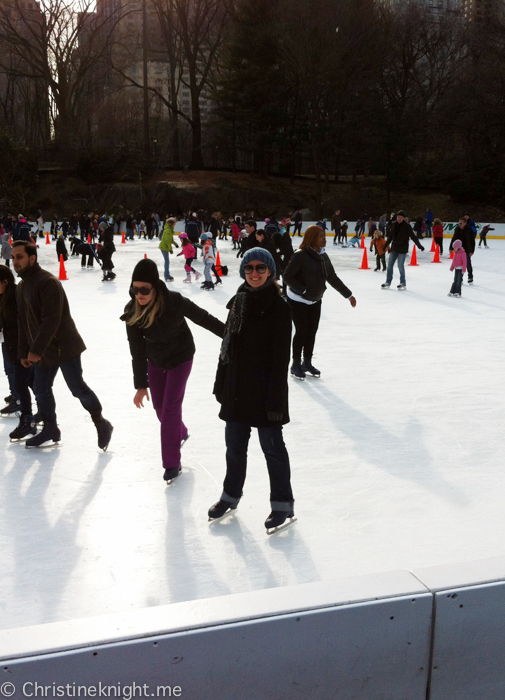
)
(189, 254)
(459, 267)
(209, 260)
(379, 243)
(235, 234)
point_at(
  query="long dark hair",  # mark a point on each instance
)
(10, 290)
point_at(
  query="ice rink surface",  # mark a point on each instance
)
(397, 452)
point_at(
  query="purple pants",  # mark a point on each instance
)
(167, 392)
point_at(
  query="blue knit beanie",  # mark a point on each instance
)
(258, 254)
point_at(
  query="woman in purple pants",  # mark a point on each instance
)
(162, 350)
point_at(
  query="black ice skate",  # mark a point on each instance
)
(276, 521)
(386, 285)
(49, 436)
(9, 399)
(170, 474)
(104, 430)
(221, 508)
(401, 287)
(309, 369)
(25, 427)
(11, 410)
(297, 371)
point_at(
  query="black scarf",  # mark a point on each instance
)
(236, 316)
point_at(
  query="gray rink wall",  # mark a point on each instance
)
(435, 633)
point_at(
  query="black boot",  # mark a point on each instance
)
(220, 508)
(278, 518)
(297, 371)
(48, 436)
(25, 427)
(171, 474)
(309, 368)
(104, 430)
(11, 409)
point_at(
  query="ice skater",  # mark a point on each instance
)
(483, 235)
(209, 260)
(162, 350)
(379, 243)
(305, 276)
(459, 267)
(189, 252)
(464, 233)
(398, 238)
(166, 243)
(251, 385)
(106, 250)
(49, 341)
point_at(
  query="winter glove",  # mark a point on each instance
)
(274, 417)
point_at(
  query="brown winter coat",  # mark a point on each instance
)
(380, 245)
(46, 327)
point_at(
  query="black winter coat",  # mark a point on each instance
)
(9, 324)
(308, 272)
(282, 242)
(108, 248)
(256, 380)
(466, 236)
(398, 238)
(46, 327)
(168, 342)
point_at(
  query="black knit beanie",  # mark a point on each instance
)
(146, 271)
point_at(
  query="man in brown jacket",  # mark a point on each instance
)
(49, 340)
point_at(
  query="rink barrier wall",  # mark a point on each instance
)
(433, 633)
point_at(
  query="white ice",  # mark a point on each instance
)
(397, 452)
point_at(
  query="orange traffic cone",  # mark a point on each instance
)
(362, 244)
(48, 242)
(63, 272)
(218, 265)
(364, 264)
(413, 260)
(10, 239)
(89, 238)
(451, 255)
(145, 256)
(123, 239)
(436, 257)
(433, 246)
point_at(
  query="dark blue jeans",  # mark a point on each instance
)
(458, 279)
(237, 440)
(43, 379)
(23, 378)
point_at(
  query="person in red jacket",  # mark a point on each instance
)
(438, 234)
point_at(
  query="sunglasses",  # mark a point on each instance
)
(260, 269)
(140, 290)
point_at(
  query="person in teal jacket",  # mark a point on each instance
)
(167, 241)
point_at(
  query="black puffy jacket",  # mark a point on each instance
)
(307, 273)
(255, 381)
(398, 238)
(168, 342)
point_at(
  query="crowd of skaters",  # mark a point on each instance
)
(283, 287)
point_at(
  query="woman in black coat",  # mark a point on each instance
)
(305, 276)
(251, 385)
(20, 378)
(162, 349)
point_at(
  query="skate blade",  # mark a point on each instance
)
(300, 379)
(232, 511)
(315, 376)
(23, 439)
(285, 525)
(44, 445)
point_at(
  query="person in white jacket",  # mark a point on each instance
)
(209, 260)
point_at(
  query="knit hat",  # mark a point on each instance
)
(258, 254)
(457, 243)
(146, 271)
(401, 213)
(183, 235)
(203, 237)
